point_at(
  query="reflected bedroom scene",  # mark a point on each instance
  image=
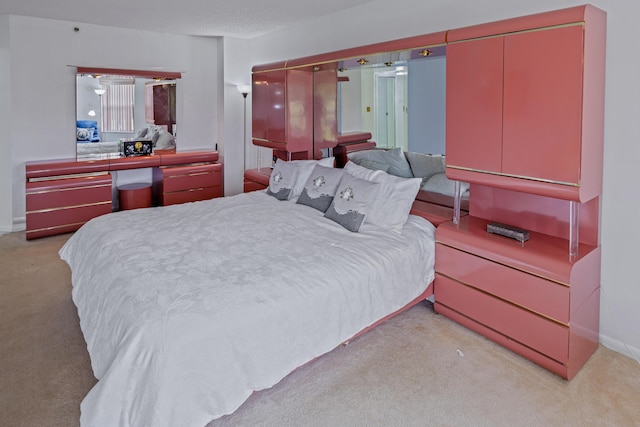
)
(119, 115)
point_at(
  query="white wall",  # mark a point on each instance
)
(385, 20)
(237, 71)
(6, 216)
(41, 118)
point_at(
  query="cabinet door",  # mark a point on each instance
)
(474, 104)
(543, 104)
(268, 106)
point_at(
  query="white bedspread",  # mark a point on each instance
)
(188, 309)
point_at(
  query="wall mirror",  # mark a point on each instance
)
(399, 97)
(116, 105)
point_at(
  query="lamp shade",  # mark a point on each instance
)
(243, 89)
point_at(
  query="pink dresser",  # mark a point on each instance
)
(525, 126)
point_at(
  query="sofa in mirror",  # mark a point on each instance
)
(114, 106)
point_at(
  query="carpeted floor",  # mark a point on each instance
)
(418, 369)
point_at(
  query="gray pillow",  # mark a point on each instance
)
(439, 183)
(353, 202)
(163, 140)
(395, 158)
(283, 178)
(425, 165)
(320, 188)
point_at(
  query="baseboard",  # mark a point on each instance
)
(620, 347)
(19, 224)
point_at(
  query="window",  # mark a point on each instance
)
(117, 104)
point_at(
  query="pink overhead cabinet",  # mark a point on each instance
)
(526, 107)
(282, 109)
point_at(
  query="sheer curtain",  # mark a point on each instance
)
(117, 104)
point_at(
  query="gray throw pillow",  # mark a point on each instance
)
(320, 188)
(283, 178)
(353, 202)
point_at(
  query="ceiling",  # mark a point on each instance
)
(231, 18)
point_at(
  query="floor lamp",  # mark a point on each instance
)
(244, 90)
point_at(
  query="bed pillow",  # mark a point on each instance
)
(320, 188)
(395, 158)
(84, 134)
(283, 178)
(373, 165)
(353, 202)
(439, 183)
(305, 167)
(425, 165)
(395, 196)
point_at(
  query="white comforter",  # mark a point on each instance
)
(188, 309)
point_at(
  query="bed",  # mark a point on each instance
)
(188, 309)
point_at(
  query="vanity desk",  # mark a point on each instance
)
(61, 195)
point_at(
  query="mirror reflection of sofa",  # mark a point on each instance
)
(89, 143)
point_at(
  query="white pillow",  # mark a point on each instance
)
(320, 188)
(395, 196)
(305, 167)
(395, 158)
(354, 200)
(282, 179)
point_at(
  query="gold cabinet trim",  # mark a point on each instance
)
(56, 190)
(107, 202)
(530, 310)
(508, 175)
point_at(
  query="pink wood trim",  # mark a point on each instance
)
(340, 151)
(433, 213)
(46, 168)
(185, 157)
(170, 75)
(67, 184)
(539, 20)
(593, 102)
(420, 41)
(505, 341)
(268, 67)
(50, 168)
(542, 255)
(545, 215)
(353, 137)
(261, 176)
(134, 162)
(584, 332)
(527, 185)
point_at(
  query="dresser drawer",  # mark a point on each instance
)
(191, 195)
(534, 331)
(189, 177)
(57, 221)
(65, 193)
(535, 293)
